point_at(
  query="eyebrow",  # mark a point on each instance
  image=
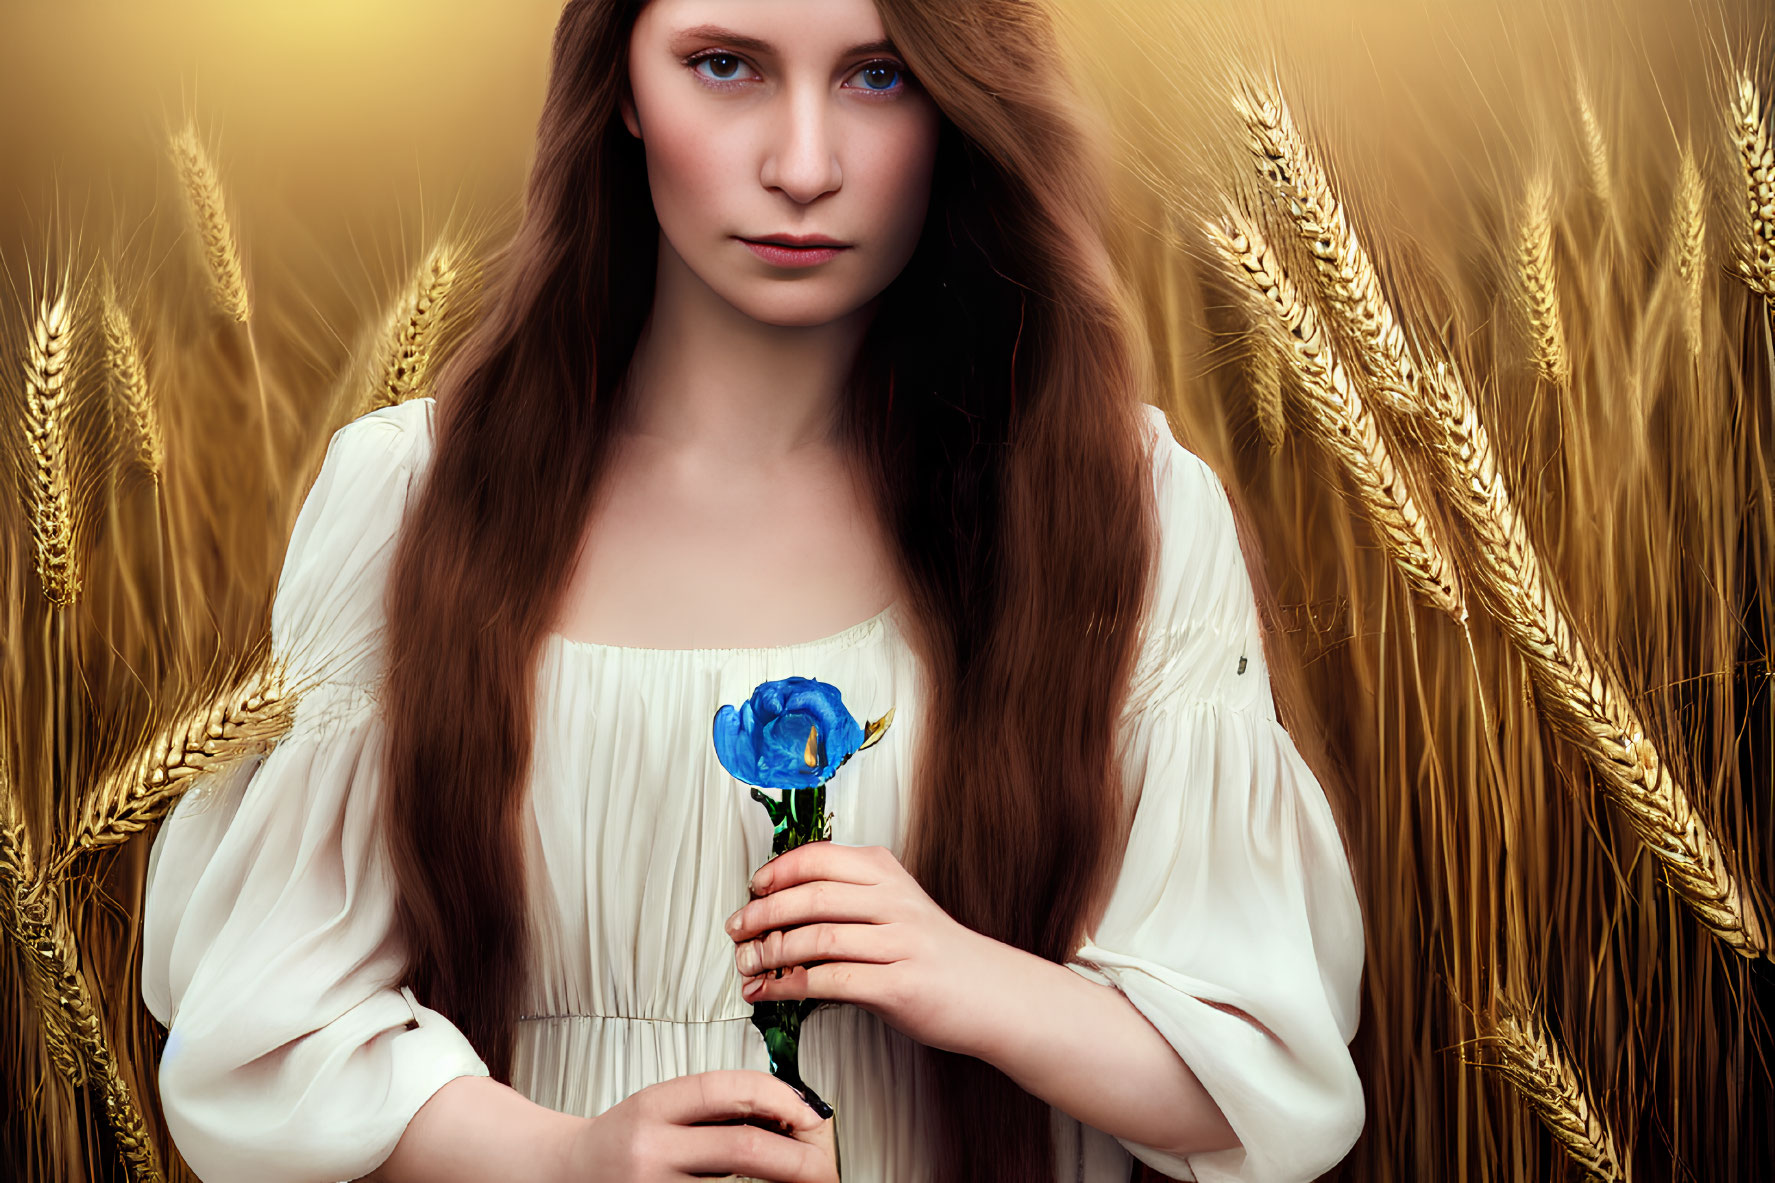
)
(759, 45)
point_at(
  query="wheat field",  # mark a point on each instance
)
(1471, 306)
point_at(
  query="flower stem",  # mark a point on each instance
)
(799, 818)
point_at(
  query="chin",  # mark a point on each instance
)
(806, 308)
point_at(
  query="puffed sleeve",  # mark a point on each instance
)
(1235, 890)
(268, 949)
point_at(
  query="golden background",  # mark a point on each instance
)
(350, 137)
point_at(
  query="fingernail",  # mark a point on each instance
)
(816, 1104)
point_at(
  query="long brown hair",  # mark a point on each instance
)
(994, 411)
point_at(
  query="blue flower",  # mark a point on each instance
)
(793, 733)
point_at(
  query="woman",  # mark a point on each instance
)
(1085, 904)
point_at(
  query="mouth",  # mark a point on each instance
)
(788, 250)
(799, 242)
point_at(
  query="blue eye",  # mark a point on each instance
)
(724, 65)
(879, 77)
(881, 72)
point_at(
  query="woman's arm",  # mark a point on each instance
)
(1076, 1042)
(1086, 1050)
(475, 1128)
(724, 1122)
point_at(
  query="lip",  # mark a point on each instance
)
(795, 250)
(797, 240)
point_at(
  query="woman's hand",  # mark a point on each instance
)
(850, 924)
(708, 1125)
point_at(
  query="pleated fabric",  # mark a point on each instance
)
(296, 1054)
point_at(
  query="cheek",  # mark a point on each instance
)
(689, 169)
(895, 182)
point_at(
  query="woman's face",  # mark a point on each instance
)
(770, 118)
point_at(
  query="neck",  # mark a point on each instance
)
(707, 375)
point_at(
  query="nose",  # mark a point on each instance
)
(800, 159)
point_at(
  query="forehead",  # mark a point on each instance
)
(780, 26)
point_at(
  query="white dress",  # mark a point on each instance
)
(295, 1053)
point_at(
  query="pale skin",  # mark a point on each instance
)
(851, 924)
(735, 383)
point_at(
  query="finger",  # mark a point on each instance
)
(768, 987)
(858, 983)
(722, 1151)
(734, 1092)
(806, 903)
(825, 859)
(811, 943)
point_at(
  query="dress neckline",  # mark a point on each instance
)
(845, 636)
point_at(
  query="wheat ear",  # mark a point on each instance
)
(1539, 293)
(414, 327)
(25, 918)
(205, 202)
(1756, 160)
(1545, 1078)
(73, 1033)
(244, 720)
(73, 1030)
(18, 868)
(1689, 246)
(55, 527)
(1341, 419)
(129, 379)
(1581, 695)
(1583, 701)
(1346, 276)
(1596, 152)
(1263, 374)
(23, 921)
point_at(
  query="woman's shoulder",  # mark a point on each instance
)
(1196, 525)
(336, 562)
(1203, 604)
(1183, 482)
(362, 487)
(368, 462)
(400, 431)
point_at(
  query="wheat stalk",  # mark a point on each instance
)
(1689, 247)
(242, 721)
(1756, 161)
(1581, 695)
(55, 526)
(129, 379)
(205, 203)
(1343, 422)
(1540, 296)
(414, 328)
(1346, 276)
(1544, 1077)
